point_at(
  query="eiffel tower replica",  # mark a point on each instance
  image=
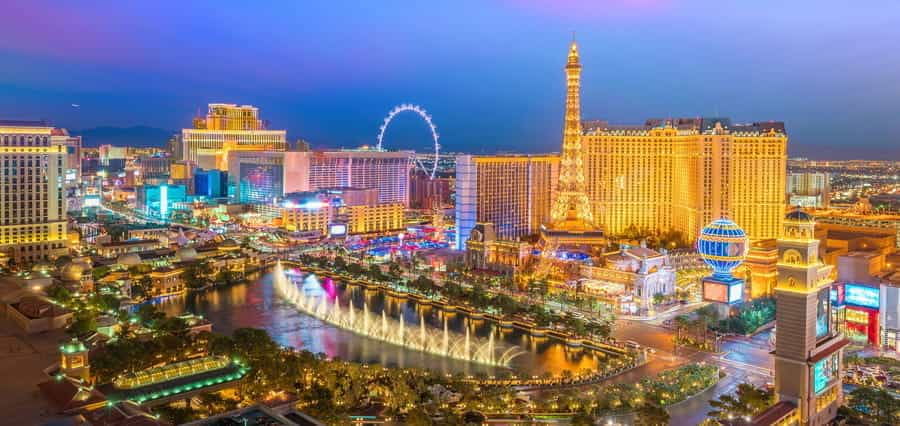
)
(572, 224)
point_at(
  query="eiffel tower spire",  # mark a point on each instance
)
(571, 209)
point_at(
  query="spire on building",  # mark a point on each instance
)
(571, 217)
(573, 51)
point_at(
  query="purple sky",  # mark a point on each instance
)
(490, 72)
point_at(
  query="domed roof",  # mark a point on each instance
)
(186, 254)
(798, 215)
(229, 245)
(722, 245)
(74, 270)
(42, 266)
(129, 259)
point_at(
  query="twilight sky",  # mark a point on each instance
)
(490, 72)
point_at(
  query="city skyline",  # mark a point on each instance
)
(494, 79)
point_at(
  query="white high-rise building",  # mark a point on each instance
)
(32, 206)
(386, 171)
(258, 176)
(809, 189)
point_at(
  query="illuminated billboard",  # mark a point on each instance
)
(91, 201)
(723, 292)
(260, 183)
(861, 295)
(735, 293)
(824, 371)
(823, 313)
(715, 292)
(337, 230)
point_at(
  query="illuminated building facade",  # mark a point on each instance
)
(808, 348)
(74, 360)
(338, 211)
(32, 206)
(683, 173)
(297, 219)
(73, 146)
(639, 273)
(155, 169)
(809, 189)
(760, 268)
(257, 177)
(866, 299)
(211, 183)
(512, 192)
(386, 171)
(430, 193)
(373, 219)
(227, 128)
(159, 200)
(860, 222)
(485, 251)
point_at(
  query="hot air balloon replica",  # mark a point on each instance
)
(723, 246)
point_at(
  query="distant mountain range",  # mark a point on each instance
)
(124, 136)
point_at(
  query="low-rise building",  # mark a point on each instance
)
(860, 221)
(641, 272)
(166, 281)
(866, 298)
(374, 218)
(485, 251)
(36, 314)
(115, 248)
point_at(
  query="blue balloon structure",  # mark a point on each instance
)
(722, 245)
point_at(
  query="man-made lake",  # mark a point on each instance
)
(258, 305)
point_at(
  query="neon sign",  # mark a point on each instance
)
(823, 372)
(860, 295)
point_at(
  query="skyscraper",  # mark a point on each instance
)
(32, 206)
(512, 192)
(683, 173)
(226, 128)
(680, 173)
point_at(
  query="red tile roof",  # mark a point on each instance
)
(774, 413)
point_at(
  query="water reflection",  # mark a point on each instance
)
(258, 305)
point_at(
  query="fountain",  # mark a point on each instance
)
(393, 331)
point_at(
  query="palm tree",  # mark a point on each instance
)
(651, 415)
(747, 401)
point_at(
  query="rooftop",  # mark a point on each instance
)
(24, 123)
(173, 379)
(774, 413)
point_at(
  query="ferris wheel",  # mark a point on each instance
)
(434, 135)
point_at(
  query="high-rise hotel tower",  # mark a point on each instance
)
(513, 192)
(684, 173)
(32, 207)
(226, 128)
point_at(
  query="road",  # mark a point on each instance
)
(744, 360)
